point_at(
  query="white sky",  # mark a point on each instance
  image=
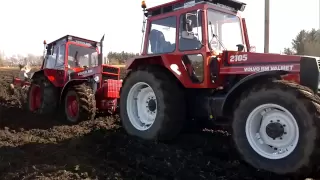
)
(25, 24)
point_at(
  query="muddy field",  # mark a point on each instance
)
(33, 147)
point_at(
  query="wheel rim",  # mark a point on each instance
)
(35, 100)
(272, 131)
(142, 106)
(72, 106)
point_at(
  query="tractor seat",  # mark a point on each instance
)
(158, 42)
(156, 39)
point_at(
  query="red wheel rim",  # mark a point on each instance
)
(35, 100)
(72, 106)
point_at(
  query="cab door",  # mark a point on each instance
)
(60, 74)
(190, 44)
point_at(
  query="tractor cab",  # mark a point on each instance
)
(195, 31)
(188, 25)
(77, 58)
(71, 53)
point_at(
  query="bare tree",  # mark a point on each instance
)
(1, 58)
(34, 60)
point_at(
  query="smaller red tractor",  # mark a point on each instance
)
(197, 64)
(73, 81)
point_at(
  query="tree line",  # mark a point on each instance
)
(120, 57)
(33, 60)
(305, 43)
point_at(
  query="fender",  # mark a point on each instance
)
(49, 74)
(170, 61)
(243, 84)
(37, 73)
(69, 83)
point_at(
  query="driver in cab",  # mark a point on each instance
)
(74, 64)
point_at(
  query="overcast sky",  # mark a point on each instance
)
(25, 24)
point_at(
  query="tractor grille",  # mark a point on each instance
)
(109, 76)
(110, 69)
(109, 72)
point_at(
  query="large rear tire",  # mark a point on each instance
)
(152, 104)
(79, 104)
(276, 128)
(42, 96)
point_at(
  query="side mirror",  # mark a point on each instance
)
(189, 24)
(252, 49)
(240, 47)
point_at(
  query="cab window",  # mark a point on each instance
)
(162, 36)
(60, 58)
(51, 57)
(190, 33)
(79, 56)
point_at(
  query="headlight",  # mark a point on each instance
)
(96, 78)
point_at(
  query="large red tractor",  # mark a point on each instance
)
(197, 64)
(73, 81)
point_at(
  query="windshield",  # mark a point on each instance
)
(79, 56)
(226, 27)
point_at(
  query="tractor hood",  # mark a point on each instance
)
(248, 63)
(237, 58)
(256, 62)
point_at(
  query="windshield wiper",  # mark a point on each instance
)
(215, 36)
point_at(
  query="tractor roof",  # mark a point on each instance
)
(179, 4)
(67, 38)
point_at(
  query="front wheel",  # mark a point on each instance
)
(79, 104)
(152, 104)
(276, 127)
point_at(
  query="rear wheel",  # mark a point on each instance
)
(152, 104)
(34, 97)
(142, 106)
(79, 104)
(41, 97)
(276, 128)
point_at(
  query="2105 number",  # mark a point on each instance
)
(238, 58)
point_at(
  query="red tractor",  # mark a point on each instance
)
(73, 79)
(197, 64)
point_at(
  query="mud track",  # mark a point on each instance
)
(34, 147)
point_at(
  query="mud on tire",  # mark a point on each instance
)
(85, 104)
(303, 104)
(170, 104)
(48, 96)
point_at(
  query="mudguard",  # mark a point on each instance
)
(50, 74)
(243, 84)
(37, 73)
(170, 61)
